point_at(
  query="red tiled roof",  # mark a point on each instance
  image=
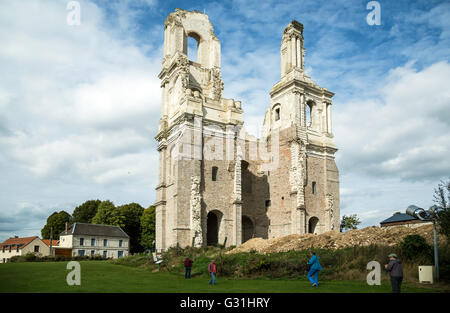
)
(55, 242)
(14, 242)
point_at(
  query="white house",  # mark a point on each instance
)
(91, 239)
(21, 246)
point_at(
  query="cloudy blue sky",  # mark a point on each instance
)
(79, 105)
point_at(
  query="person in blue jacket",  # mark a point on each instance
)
(314, 269)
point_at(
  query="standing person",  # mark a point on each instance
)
(212, 268)
(394, 267)
(187, 266)
(313, 274)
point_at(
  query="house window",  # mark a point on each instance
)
(120, 254)
(120, 243)
(17, 249)
(214, 173)
(81, 241)
(105, 242)
(92, 252)
(105, 254)
(313, 187)
(277, 114)
(81, 252)
(3, 249)
(36, 248)
(9, 250)
(93, 242)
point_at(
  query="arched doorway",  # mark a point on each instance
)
(247, 228)
(212, 229)
(312, 224)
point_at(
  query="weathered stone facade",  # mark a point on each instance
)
(217, 184)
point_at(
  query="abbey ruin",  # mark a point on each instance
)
(219, 185)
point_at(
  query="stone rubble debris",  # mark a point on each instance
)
(335, 240)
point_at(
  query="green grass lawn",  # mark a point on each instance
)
(102, 276)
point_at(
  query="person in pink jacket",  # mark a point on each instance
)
(212, 268)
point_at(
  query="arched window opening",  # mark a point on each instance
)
(214, 173)
(276, 112)
(192, 46)
(309, 110)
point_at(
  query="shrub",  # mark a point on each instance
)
(33, 257)
(414, 246)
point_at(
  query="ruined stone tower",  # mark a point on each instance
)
(216, 183)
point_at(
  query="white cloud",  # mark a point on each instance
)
(403, 132)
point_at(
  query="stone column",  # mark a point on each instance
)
(302, 221)
(303, 109)
(237, 204)
(329, 118)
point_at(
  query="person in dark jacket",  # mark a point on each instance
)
(314, 269)
(394, 267)
(187, 266)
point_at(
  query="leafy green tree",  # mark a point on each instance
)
(85, 212)
(148, 227)
(57, 221)
(129, 218)
(105, 214)
(442, 199)
(349, 222)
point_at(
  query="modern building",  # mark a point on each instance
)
(402, 219)
(21, 246)
(82, 239)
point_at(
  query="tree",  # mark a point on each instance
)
(105, 213)
(148, 227)
(349, 222)
(442, 199)
(129, 218)
(85, 213)
(57, 221)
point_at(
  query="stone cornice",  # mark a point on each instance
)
(158, 203)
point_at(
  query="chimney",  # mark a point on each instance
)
(67, 226)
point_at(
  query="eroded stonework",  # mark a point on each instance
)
(219, 185)
(196, 221)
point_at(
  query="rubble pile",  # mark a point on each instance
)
(334, 240)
